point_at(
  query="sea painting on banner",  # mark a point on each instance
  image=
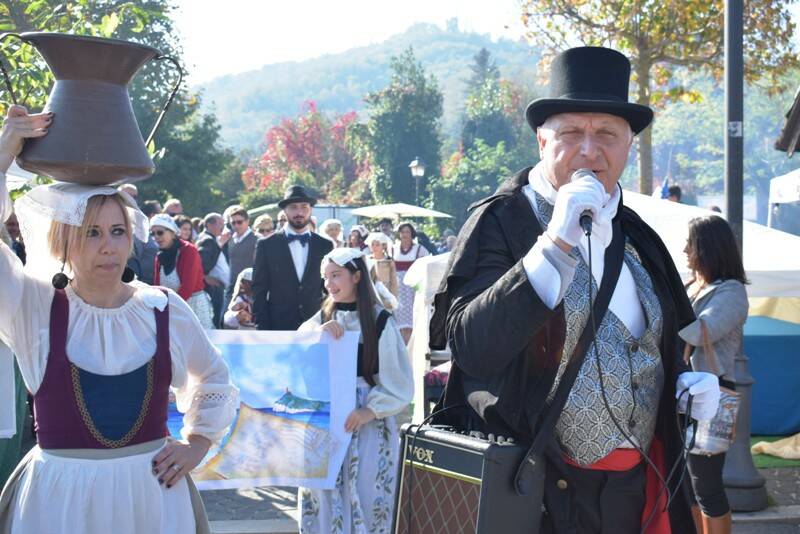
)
(296, 391)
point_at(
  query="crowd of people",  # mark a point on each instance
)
(210, 261)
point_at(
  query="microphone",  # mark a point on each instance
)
(586, 222)
(585, 219)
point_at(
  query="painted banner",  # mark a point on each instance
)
(296, 390)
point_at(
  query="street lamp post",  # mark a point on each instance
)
(417, 171)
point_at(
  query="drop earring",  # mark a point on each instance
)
(128, 275)
(60, 279)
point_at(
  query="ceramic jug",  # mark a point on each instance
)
(94, 138)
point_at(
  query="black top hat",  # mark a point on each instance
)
(589, 79)
(296, 193)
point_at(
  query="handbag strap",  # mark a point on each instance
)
(613, 257)
(708, 349)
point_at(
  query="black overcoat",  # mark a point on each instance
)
(280, 300)
(506, 343)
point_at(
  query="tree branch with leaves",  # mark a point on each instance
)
(659, 37)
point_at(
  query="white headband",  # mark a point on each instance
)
(361, 229)
(378, 236)
(341, 256)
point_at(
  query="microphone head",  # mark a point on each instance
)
(583, 173)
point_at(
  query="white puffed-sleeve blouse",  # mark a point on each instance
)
(113, 341)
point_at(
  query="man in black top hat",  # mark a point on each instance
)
(287, 285)
(516, 300)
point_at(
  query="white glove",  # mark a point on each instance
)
(704, 387)
(574, 198)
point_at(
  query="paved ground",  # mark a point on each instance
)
(271, 510)
(777, 528)
(783, 485)
(251, 504)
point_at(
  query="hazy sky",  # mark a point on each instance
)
(229, 36)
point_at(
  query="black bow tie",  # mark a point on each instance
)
(303, 238)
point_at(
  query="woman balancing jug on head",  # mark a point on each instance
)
(100, 353)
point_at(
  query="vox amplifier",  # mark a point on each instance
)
(451, 483)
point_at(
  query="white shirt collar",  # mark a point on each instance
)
(237, 239)
(289, 230)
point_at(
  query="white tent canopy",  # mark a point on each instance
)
(771, 257)
(396, 211)
(786, 188)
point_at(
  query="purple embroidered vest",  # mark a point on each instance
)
(76, 409)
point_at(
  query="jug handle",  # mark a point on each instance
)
(169, 100)
(6, 77)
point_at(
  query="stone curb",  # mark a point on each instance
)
(773, 514)
(268, 526)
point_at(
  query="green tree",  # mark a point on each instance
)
(493, 113)
(101, 18)
(469, 176)
(404, 124)
(483, 68)
(688, 149)
(662, 36)
(190, 162)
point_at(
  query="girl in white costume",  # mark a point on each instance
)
(113, 348)
(363, 500)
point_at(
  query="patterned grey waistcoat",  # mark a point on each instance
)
(632, 374)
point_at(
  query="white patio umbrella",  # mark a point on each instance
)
(396, 211)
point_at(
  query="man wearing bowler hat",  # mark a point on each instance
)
(514, 308)
(287, 286)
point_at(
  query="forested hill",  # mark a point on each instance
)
(247, 104)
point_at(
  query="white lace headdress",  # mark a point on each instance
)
(64, 203)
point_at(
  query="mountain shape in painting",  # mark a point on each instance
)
(290, 403)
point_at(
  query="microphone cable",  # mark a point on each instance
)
(664, 482)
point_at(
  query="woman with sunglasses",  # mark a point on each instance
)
(264, 226)
(179, 267)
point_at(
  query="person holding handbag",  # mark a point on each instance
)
(713, 342)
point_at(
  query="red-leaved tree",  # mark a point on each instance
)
(329, 154)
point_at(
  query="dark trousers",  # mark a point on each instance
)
(217, 294)
(586, 501)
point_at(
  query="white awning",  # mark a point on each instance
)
(771, 257)
(786, 188)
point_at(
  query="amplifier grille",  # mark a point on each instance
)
(441, 504)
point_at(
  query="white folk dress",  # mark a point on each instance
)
(405, 314)
(363, 500)
(58, 495)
